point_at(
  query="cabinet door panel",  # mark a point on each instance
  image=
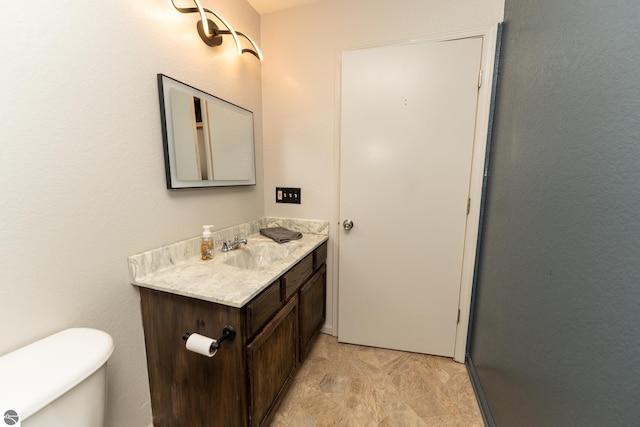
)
(312, 309)
(271, 359)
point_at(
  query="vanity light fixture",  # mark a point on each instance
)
(212, 34)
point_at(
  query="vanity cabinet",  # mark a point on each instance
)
(243, 384)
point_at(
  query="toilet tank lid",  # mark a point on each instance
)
(37, 374)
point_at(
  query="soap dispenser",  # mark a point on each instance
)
(206, 243)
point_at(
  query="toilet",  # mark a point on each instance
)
(59, 381)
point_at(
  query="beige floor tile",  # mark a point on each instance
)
(401, 415)
(346, 385)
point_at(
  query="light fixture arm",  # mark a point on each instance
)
(255, 51)
(211, 34)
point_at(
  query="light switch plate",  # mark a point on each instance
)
(288, 195)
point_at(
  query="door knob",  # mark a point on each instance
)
(347, 224)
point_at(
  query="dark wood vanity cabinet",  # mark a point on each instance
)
(243, 384)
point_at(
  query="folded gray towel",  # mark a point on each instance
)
(280, 234)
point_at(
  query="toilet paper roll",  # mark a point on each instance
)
(201, 345)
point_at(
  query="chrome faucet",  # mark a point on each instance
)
(230, 245)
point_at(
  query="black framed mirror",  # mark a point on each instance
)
(208, 142)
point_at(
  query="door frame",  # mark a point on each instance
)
(489, 35)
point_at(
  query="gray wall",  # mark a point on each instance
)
(556, 329)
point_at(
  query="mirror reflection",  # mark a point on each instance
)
(208, 141)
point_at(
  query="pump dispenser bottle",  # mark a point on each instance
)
(206, 243)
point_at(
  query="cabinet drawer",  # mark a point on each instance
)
(263, 307)
(297, 275)
(319, 256)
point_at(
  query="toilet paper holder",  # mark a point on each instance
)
(227, 332)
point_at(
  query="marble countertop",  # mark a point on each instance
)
(178, 268)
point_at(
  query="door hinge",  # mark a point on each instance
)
(458, 321)
(468, 205)
(480, 79)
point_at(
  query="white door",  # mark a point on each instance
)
(407, 131)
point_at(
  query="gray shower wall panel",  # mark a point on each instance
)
(555, 335)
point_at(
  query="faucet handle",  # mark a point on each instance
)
(226, 244)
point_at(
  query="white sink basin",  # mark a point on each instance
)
(258, 256)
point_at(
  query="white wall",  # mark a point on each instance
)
(301, 84)
(82, 183)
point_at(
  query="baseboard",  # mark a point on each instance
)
(477, 389)
(327, 329)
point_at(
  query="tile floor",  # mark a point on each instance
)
(354, 386)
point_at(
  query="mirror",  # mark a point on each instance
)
(208, 142)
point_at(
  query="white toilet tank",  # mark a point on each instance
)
(59, 381)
